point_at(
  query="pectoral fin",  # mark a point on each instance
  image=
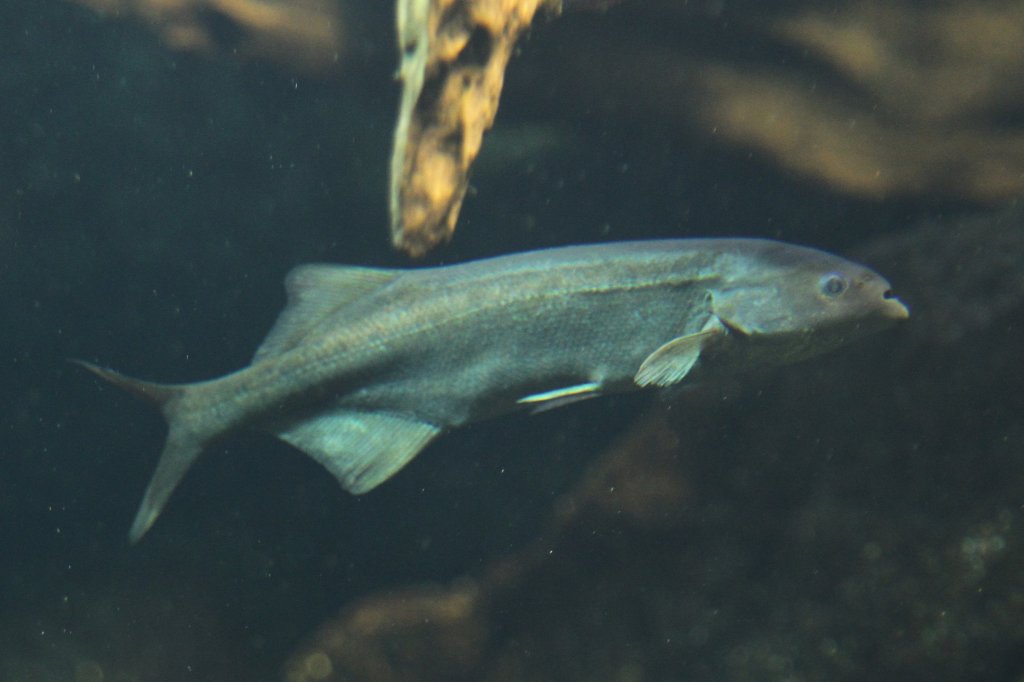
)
(559, 397)
(361, 449)
(670, 363)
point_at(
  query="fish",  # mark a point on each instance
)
(365, 367)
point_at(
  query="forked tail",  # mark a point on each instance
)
(180, 450)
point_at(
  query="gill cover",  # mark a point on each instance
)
(752, 310)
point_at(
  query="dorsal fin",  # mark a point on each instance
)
(314, 293)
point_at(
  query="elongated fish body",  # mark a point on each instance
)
(365, 366)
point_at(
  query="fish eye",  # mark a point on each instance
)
(833, 285)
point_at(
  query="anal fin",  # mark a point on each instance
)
(361, 449)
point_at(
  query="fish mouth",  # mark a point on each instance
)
(892, 307)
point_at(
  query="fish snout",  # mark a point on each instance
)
(892, 307)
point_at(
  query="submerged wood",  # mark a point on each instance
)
(453, 59)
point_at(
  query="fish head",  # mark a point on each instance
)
(801, 301)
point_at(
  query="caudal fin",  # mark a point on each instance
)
(153, 393)
(177, 456)
(180, 450)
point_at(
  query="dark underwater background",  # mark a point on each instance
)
(857, 516)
